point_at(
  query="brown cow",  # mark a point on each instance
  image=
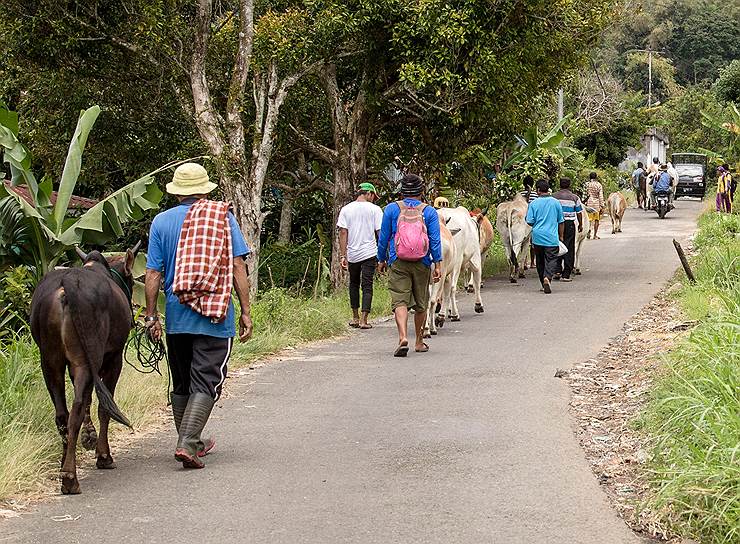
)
(80, 319)
(616, 205)
(485, 237)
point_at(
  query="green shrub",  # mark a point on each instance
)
(16, 290)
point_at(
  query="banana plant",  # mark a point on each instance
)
(730, 125)
(51, 228)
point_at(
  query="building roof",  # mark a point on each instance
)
(76, 202)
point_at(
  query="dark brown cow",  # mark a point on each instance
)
(80, 319)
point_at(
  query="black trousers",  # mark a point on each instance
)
(198, 363)
(361, 275)
(547, 261)
(567, 262)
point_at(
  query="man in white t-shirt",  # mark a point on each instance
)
(359, 223)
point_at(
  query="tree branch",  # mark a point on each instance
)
(324, 153)
(239, 74)
(207, 120)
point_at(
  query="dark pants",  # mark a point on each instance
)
(567, 262)
(361, 274)
(547, 261)
(198, 363)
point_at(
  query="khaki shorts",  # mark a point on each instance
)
(408, 283)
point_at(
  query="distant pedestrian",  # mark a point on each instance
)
(359, 223)
(530, 195)
(196, 247)
(409, 243)
(724, 190)
(573, 215)
(639, 182)
(545, 216)
(594, 201)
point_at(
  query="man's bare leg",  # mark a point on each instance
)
(420, 319)
(402, 316)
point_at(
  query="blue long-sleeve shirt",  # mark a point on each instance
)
(387, 236)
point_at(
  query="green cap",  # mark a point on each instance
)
(369, 187)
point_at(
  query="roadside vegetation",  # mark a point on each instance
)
(694, 418)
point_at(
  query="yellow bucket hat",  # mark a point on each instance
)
(190, 179)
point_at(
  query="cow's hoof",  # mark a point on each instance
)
(521, 275)
(478, 308)
(105, 462)
(70, 485)
(512, 280)
(577, 271)
(88, 437)
(433, 333)
(439, 321)
(454, 318)
(469, 288)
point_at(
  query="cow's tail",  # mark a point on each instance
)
(105, 398)
(509, 223)
(82, 312)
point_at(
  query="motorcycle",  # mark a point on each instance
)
(662, 203)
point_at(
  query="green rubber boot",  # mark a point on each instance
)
(179, 404)
(196, 415)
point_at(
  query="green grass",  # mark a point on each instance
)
(694, 418)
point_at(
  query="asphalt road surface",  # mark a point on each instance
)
(340, 442)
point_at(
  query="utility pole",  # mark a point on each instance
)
(560, 104)
(650, 77)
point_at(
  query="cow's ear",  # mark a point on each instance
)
(128, 264)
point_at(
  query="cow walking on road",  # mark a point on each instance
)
(616, 206)
(439, 292)
(515, 234)
(80, 319)
(485, 236)
(467, 247)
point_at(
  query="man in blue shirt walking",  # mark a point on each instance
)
(198, 348)
(408, 280)
(545, 216)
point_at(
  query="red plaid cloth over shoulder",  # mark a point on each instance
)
(204, 264)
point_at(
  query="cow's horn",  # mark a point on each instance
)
(81, 253)
(136, 247)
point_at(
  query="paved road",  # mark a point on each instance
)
(341, 443)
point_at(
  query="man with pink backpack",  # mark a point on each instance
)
(409, 244)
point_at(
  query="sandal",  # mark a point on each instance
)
(354, 324)
(402, 350)
(424, 349)
(365, 327)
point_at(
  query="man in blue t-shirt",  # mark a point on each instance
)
(545, 216)
(408, 281)
(198, 348)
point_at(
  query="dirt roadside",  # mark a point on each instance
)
(609, 392)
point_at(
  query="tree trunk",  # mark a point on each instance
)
(286, 219)
(342, 194)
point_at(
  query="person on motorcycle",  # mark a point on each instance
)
(652, 173)
(663, 183)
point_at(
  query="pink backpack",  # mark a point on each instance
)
(412, 241)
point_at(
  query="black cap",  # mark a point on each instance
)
(411, 185)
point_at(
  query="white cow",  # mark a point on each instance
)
(439, 293)
(515, 233)
(616, 206)
(467, 248)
